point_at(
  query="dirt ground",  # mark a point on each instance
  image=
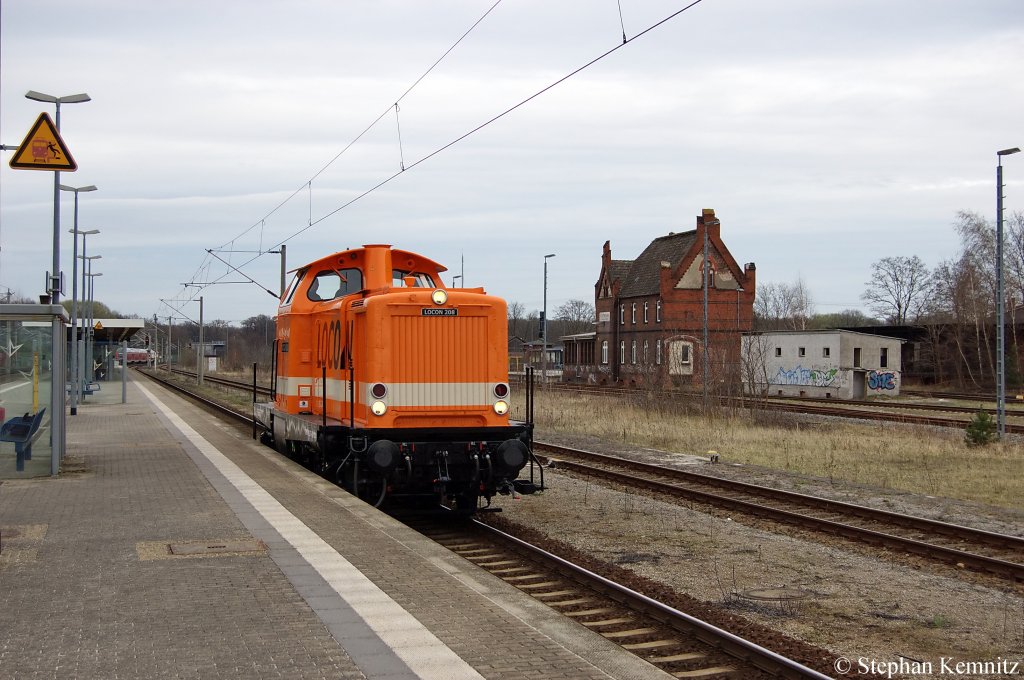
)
(857, 602)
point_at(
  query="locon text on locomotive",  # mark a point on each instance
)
(943, 666)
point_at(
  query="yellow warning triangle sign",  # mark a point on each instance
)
(43, 149)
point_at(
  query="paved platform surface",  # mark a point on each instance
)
(272, 572)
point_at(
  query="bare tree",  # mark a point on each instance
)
(577, 316)
(842, 319)
(754, 361)
(896, 289)
(783, 306)
(518, 328)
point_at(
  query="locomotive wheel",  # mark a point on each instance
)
(365, 484)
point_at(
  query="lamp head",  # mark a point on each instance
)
(50, 99)
(89, 187)
(1007, 152)
(40, 97)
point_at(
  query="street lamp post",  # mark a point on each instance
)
(86, 259)
(1000, 300)
(74, 294)
(50, 99)
(89, 334)
(202, 349)
(544, 322)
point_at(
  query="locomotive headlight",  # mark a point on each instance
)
(501, 391)
(378, 408)
(439, 296)
(501, 407)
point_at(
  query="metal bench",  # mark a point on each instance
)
(20, 430)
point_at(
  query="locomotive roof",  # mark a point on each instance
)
(400, 259)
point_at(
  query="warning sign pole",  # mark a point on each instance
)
(57, 403)
(39, 139)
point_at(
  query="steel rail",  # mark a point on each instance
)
(1005, 568)
(216, 406)
(729, 643)
(839, 410)
(844, 409)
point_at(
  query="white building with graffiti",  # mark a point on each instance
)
(830, 363)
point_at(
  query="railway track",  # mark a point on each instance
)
(997, 554)
(877, 410)
(679, 644)
(982, 551)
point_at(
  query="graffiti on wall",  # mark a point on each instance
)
(814, 377)
(879, 381)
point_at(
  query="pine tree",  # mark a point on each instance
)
(981, 430)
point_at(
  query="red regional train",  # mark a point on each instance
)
(394, 386)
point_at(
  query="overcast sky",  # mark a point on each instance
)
(825, 134)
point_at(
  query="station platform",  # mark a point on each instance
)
(173, 545)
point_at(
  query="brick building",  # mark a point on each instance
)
(650, 313)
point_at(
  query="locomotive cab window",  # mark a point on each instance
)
(335, 283)
(419, 279)
(293, 286)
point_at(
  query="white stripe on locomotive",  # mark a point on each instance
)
(399, 394)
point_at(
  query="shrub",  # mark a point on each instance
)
(981, 430)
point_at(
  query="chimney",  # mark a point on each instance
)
(708, 220)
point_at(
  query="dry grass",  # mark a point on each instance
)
(916, 459)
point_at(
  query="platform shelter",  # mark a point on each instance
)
(32, 357)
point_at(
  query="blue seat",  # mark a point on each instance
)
(20, 430)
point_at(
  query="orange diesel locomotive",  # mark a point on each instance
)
(394, 386)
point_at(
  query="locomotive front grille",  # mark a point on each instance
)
(439, 362)
(440, 350)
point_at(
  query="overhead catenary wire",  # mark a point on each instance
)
(308, 183)
(312, 223)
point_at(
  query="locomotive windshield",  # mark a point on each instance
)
(420, 280)
(335, 283)
(293, 286)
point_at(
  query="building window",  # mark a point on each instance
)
(646, 305)
(632, 352)
(657, 311)
(657, 352)
(679, 358)
(622, 352)
(778, 351)
(646, 359)
(711, 274)
(622, 315)
(883, 359)
(856, 357)
(802, 351)
(825, 352)
(604, 351)
(633, 315)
